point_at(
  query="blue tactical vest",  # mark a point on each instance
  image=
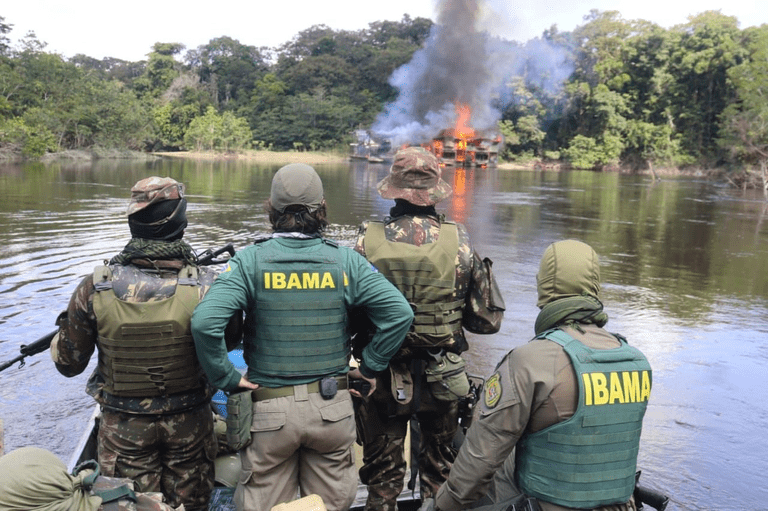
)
(590, 459)
(297, 327)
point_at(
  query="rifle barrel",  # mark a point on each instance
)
(6, 365)
(27, 350)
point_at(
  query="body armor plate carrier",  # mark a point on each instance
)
(146, 348)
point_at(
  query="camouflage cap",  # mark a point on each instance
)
(296, 183)
(152, 190)
(415, 176)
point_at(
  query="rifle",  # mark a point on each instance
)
(42, 344)
(209, 256)
(27, 350)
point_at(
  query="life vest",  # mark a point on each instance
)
(590, 459)
(426, 275)
(297, 326)
(146, 348)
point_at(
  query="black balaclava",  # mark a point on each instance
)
(165, 220)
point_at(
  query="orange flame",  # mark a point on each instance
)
(463, 114)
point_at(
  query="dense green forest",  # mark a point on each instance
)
(636, 94)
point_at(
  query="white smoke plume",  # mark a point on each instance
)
(461, 63)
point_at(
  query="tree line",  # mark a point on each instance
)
(638, 94)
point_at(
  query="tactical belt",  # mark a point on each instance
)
(264, 393)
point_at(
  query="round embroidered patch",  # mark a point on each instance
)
(492, 391)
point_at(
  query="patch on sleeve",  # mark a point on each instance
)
(492, 391)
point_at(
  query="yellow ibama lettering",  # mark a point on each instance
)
(617, 393)
(294, 282)
(631, 381)
(600, 386)
(303, 280)
(616, 387)
(327, 281)
(311, 280)
(278, 280)
(587, 389)
(646, 388)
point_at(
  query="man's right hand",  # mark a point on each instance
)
(245, 384)
(356, 374)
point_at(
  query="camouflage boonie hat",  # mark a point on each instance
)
(415, 177)
(296, 184)
(152, 190)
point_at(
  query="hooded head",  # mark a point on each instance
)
(415, 176)
(157, 209)
(568, 268)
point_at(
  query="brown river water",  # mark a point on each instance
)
(684, 267)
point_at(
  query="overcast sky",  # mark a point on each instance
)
(127, 30)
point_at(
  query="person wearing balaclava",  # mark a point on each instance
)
(156, 423)
(560, 417)
(296, 288)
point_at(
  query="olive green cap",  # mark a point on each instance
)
(296, 184)
(567, 268)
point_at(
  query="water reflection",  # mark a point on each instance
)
(684, 269)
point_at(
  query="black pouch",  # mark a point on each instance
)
(328, 387)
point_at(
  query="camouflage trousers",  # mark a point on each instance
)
(382, 427)
(172, 454)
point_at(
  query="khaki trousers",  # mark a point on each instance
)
(301, 444)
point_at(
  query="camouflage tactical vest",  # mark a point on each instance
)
(146, 348)
(426, 275)
(590, 459)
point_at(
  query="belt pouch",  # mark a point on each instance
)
(239, 420)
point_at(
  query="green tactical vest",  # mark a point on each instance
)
(426, 275)
(590, 459)
(297, 327)
(146, 348)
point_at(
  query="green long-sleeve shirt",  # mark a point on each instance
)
(236, 290)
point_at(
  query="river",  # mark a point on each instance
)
(684, 269)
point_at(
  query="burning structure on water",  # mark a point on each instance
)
(463, 146)
(460, 146)
(454, 90)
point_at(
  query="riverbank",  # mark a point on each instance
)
(277, 157)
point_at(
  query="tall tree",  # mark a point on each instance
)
(229, 68)
(162, 68)
(745, 120)
(5, 42)
(701, 53)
